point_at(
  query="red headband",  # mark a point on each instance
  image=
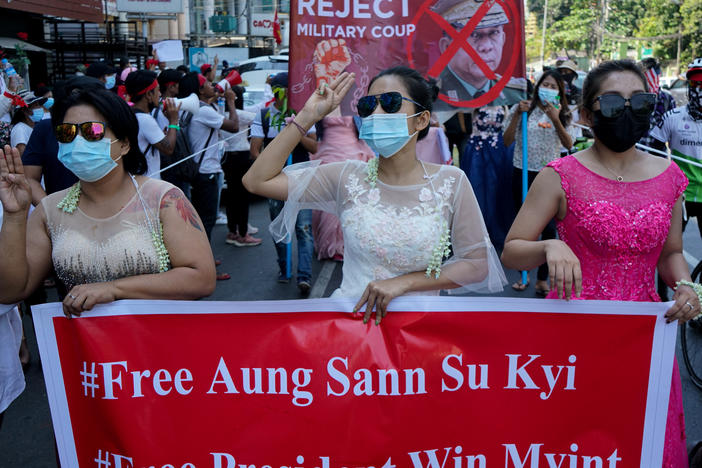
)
(16, 99)
(201, 79)
(170, 83)
(148, 88)
(151, 62)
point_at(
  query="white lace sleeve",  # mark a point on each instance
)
(474, 264)
(311, 185)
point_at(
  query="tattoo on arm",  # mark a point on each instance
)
(183, 206)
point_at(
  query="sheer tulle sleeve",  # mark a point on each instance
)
(474, 264)
(310, 186)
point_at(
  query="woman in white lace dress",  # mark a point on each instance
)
(115, 234)
(401, 217)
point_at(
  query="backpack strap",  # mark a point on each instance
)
(265, 123)
(207, 143)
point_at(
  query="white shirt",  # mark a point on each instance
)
(199, 130)
(257, 125)
(11, 375)
(161, 119)
(20, 134)
(240, 142)
(682, 132)
(150, 134)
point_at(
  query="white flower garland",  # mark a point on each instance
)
(443, 248)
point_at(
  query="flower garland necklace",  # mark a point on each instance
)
(443, 247)
(69, 203)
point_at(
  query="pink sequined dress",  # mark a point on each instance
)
(339, 143)
(617, 231)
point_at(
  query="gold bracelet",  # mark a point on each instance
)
(299, 127)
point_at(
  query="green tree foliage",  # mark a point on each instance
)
(600, 27)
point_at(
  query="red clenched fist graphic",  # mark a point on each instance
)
(331, 57)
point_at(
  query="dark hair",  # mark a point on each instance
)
(20, 115)
(596, 76)
(239, 91)
(183, 69)
(168, 76)
(42, 90)
(649, 62)
(64, 89)
(564, 114)
(418, 88)
(137, 82)
(188, 85)
(118, 117)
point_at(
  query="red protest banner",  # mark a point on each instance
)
(443, 382)
(474, 48)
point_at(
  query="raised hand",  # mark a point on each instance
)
(15, 193)
(171, 110)
(552, 112)
(331, 57)
(328, 97)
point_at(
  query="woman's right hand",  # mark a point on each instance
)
(15, 193)
(327, 97)
(563, 269)
(524, 106)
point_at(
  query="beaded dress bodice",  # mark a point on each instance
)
(92, 250)
(393, 230)
(617, 229)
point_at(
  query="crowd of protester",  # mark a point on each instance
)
(109, 152)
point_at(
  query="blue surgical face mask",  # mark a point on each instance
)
(37, 115)
(49, 102)
(111, 80)
(386, 134)
(88, 160)
(548, 95)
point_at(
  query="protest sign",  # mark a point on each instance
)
(169, 51)
(150, 6)
(442, 382)
(473, 48)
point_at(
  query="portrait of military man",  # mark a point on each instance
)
(462, 79)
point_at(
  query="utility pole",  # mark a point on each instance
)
(543, 34)
(249, 25)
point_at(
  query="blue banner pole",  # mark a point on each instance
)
(525, 171)
(288, 246)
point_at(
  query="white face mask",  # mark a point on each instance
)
(386, 134)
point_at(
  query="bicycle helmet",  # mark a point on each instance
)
(694, 68)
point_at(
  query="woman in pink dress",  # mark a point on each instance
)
(619, 217)
(338, 141)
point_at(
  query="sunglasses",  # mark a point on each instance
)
(390, 102)
(91, 131)
(694, 84)
(613, 105)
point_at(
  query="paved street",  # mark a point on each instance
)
(26, 436)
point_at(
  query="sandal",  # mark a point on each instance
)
(541, 288)
(519, 286)
(223, 276)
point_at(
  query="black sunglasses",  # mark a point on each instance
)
(390, 102)
(613, 105)
(91, 131)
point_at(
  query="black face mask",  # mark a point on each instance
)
(569, 78)
(620, 133)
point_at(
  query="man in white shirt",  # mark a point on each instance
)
(203, 135)
(142, 87)
(237, 160)
(168, 84)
